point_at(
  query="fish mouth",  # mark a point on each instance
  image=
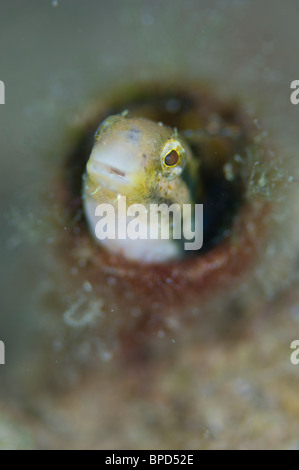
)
(109, 170)
(109, 176)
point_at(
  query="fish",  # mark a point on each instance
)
(143, 163)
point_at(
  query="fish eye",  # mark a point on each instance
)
(171, 159)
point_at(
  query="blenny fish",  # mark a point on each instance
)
(148, 163)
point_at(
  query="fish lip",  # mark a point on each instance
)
(108, 175)
(98, 169)
(111, 170)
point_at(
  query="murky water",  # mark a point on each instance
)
(235, 387)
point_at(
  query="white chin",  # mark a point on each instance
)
(142, 250)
